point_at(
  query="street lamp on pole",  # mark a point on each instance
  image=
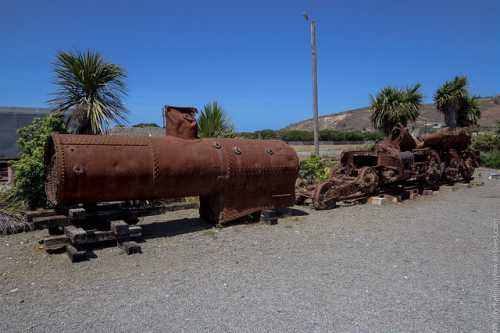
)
(312, 27)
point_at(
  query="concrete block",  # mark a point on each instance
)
(119, 228)
(448, 188)
(377, 201)
(392, 198)
(412, 194)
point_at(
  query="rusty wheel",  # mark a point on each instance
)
(369, 179)
(323, 198)
(433, 172)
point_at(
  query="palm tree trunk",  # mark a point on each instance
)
(450, 117)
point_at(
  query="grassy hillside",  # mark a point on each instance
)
(359, 119)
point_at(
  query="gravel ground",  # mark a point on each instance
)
(425, 265)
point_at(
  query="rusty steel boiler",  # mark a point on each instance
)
(233, 177)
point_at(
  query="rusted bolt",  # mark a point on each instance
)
(78, 170)
(237, 150)
(217, 145)
(269, 151)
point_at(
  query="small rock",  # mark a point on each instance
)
(13, 290)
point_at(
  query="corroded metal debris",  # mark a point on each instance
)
(233, 177)
(441, 156)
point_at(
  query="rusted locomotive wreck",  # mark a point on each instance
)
(441, 156)
(232, 177)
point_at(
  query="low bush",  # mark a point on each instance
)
(491, 159)
(489, 146)
(296, 135)
(314, 169)
(486, 142)
(29, 187)
(301, 135)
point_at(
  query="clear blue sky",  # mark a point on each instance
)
(252, 56)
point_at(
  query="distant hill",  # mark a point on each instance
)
(359, 119)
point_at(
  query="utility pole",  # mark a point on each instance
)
(312, 25)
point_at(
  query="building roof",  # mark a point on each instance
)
(138, 131)
(24, 110)
(11, 119)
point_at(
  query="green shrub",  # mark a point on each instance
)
(486, 142)
(267, 134)
(29, 168)
(297, 135)
(302, 135)
(491, 159)
(246, 135)
(314, 169)
(146, 125)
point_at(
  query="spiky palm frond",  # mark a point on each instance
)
(470, 112)
(393, 106)
(214, 122)
(449, 99)
(90, 90)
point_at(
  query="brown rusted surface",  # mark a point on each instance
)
(447, 138)
(181, 122)
(233, 177)
(441, 156)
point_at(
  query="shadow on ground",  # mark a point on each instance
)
(189, 225)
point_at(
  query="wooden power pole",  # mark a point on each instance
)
(314, 60)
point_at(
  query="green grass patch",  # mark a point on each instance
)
(491, 159)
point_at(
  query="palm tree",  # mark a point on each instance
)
(394, 106)
(453, 100)
(90, 91)
(213, 122)
(470, 113)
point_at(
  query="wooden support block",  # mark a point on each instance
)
(75, 235)
(74, 254)
(77, 213)
(135, 231)
(130, 247)
(377, 201)
(120, 228)
(56, 230)
(55, 243)
(411, 194)
(46, 221)
(30, 215)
